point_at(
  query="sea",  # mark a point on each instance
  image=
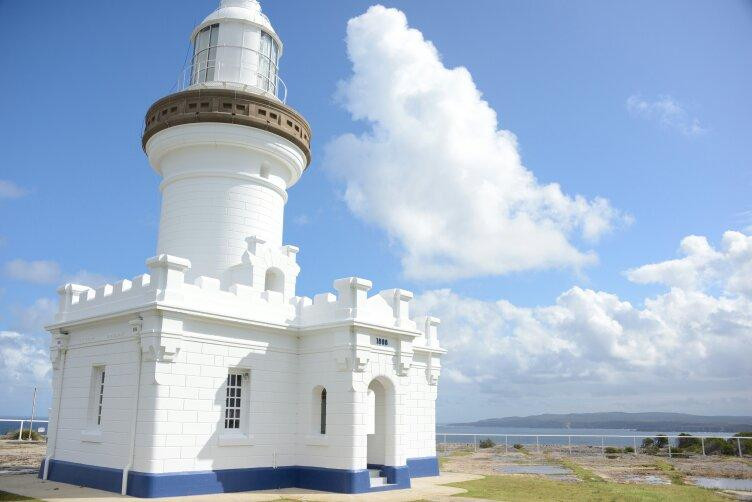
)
(546, 436)
(11, 426)
(522, 435)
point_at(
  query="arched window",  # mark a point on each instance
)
(323, 412)
(275, 280)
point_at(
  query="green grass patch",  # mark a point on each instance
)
(676, 477)
(7, 497)
(584, 474)
(529, 488)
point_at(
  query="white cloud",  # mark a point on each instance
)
(9, 190)
(91, 279)
(49, 272)
(33, 318)
(24, 359)
(301, 220)
(702, 266)
(38, 272)
(435, 171)
(684, 343)
(667, 112)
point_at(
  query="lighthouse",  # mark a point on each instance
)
(209, 373)
(226, 145)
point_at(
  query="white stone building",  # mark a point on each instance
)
(209, 374)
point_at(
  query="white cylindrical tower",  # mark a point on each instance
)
(226, 145)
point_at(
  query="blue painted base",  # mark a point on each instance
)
(423, 466)
(147, 485)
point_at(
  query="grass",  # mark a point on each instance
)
(676, 477)
(591, 487)
(584, 474)
(7, 497)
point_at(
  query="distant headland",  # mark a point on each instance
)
(650, 421)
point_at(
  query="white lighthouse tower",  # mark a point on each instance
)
(226, 147)
(209, 374)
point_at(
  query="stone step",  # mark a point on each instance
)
(374, 473)
(378, 481)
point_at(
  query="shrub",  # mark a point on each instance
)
(647, 442)
(486, 443)
(611, 449)
(688, 442)
(517, 446)
(718, 446)
(35, 436)
(628, 449)
(746, 444)
(661, 440)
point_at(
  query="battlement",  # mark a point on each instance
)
(253, 299)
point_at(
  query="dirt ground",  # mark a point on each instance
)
(621, 467)
(21, 455)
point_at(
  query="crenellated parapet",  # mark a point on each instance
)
(262, 291)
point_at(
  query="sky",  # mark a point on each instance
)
(565, 184)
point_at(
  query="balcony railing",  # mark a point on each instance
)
(234, 67)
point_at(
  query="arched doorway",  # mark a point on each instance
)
(380, 423)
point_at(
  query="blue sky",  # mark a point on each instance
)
(673, 161)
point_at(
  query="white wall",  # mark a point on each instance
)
(111, 345)
(181, 423)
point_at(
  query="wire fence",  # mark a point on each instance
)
(674, 445)
(25, 424)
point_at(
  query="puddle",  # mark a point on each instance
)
(648, 479)
(546, 470)
(723, 483)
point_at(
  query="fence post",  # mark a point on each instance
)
(634, 444)
(603, 447)
(506, 444)
(20, 431)
(569, 438)
(702, 440)
(668, 441)
(537, 444)
(475, 443)
(739, 445)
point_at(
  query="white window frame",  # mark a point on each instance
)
(96, 408)
(319, 417)
(268, 62)
(205, 55)
(240, 435)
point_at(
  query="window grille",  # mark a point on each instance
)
(268, 59)
(233, 400)
(100, 397)
(205, 54)
(323, 412)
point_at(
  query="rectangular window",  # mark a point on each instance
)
(235, 399)
(205, 54)
(268, 57)
(96, 396)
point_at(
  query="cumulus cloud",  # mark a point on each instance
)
(667, 112)
(49, 272)
(436, 172)
(24, 359)
(702, 266)
(686, 342)
(38, 272)
(9, 190)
